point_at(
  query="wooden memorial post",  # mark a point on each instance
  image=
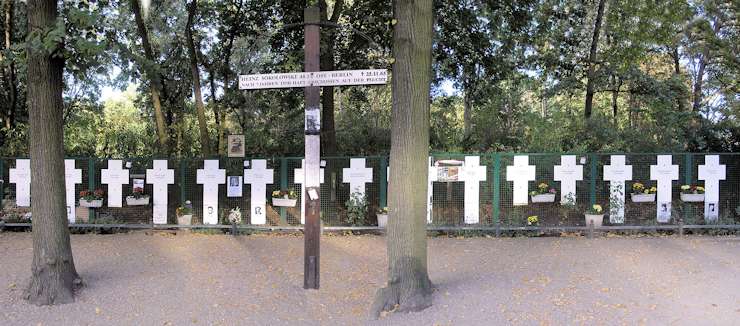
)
(311, 79)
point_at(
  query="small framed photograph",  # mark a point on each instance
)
(236, 146)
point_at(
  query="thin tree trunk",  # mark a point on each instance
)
(53, 274)
(467, 114)
(205, 142)
(592, 61)
(698, 84)
(328, 130)
(409, 287)
(153, 82)
(617, 85)
(12, 82)
(677, 72)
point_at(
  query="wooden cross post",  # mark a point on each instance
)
(311, 80)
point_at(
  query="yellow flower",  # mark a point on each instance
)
(276, 193)
(597, 208)
(653, 189)
(638, 186)
(700, 188)
(532, 220)
(685, 187)
(646, 191)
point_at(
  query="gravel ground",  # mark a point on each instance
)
(191, 279)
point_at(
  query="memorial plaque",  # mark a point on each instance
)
(357, 175)
(472, 174)
(160, 177)
(259, 176)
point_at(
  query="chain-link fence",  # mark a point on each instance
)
(498, 202)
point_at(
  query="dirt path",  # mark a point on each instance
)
(138, 279)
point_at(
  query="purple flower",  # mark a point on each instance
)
(552, 191)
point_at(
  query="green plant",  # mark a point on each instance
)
(595, 209)
(384, 210)
(543, 188)
(186, 209)
(92, 195)
(692, 189)
(287, 194)
(639, 188)
(533, 220)
(356, 209)
(138, 193)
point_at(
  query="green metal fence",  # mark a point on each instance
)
(448, 198)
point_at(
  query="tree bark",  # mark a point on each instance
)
(205, 142)
(10, 75)
(54, 277)
(328, 40)
(592, 60)
(153, 80)
(467, 113)
(409, 287)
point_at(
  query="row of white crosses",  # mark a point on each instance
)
(357, 175)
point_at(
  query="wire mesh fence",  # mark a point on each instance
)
(498, 204)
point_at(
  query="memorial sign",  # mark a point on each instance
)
(568, 173)
(21, 177)
(210, 176)
(357, 175)
(617, 172)
(160, 177)
(521, 173)
(318, 78)
(115, 176)
(711, 172)
(472, 174)
(258, 177)
(72, 177)
(665, 173)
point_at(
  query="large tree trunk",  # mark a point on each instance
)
(328, 40)
(408, 285)
(699, 84)
(10, 75)
(54, 277)
(592, 60)
(205, 142)
(153, 80)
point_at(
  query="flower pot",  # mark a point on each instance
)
(185, 219)
(596, 218)
(643, 198)
(692, 198)
(141, 201)
(543, 198)
(91, 203)
(284, 202)
(382, 220)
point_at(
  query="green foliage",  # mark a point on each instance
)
(357, 207)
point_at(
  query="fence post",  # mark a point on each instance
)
(383, 181)
(90, 185)
(283, 185)
(496, 188)
(592, 179)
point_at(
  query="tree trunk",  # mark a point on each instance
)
(408, 285)
(54, 277)
(328, 131)
(153, 80)
(592, 60)
(677, 72)
(698, 84)
(12, 83)
(205, 142)
(467, 114)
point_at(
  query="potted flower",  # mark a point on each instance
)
(692, 193)
(594, 214)
(533, 220)
(185, 214)
(92, 198)
(137, 198)
(543, 194)
(284, 198)
(382, 215)
(643, 194)
(235, 216)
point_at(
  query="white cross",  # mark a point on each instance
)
(160, 177)
(617, 173)
(568, 172)
(357, 175)
(521, 173)
(430, 187)
(21, 176)
(711, 172)
(115, 177)
(472, 174)
(72, 176)
(299, 178)
(210, 177)
(664, 172)
(259, 176)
